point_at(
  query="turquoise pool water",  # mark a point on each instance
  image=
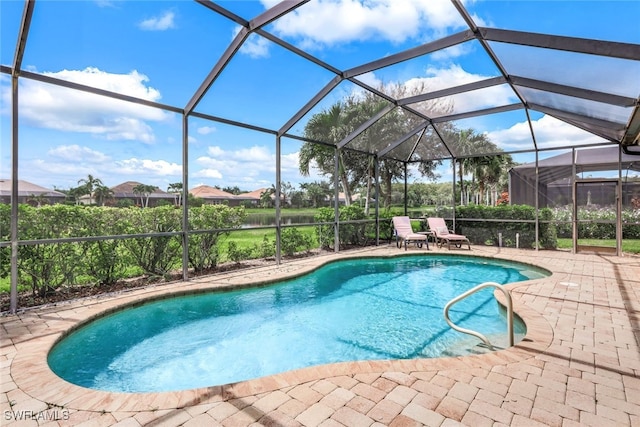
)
(363, 309)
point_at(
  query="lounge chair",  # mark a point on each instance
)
(405, 234)
(442, 234)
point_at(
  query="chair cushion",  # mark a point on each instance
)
(442, 231)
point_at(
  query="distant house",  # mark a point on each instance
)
(125, 191)
(342, 198)
(214, 196)
(30, 193)
(252, 198)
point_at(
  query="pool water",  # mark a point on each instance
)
(362, 309)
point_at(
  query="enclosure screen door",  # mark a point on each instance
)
(596, 216)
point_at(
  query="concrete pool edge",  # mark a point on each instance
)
(33, 376)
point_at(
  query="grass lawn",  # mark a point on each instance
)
(628, 245)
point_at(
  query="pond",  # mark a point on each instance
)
(269, 218)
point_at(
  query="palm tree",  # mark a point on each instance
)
(36, 200)
(330, 126)
(103, 193)
(176, 188)
(317, 192)
(265, 197)
(467, 143)
(89, 184)
(144, 191)
(488, 171)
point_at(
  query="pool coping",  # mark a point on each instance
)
(32, 374)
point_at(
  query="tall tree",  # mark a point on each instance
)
(488, 170)
(330, 126)
(265, 198)
(176, 189)
(317, 192)
(102, 193)
(144, 191)
(467, 145)
(232, 190)
(90, 183)
(286, 189)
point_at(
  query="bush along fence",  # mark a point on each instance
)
(43, 267)
(349, 234)
(487, 225)
(592, 228)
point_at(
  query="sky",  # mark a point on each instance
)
(162, 51)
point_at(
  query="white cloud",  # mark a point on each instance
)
(73, 162)
(455, 51)
(435, 79)
(370, 79)
(141, 167)
(209, 173)
(132, 84)
(159, 23)
(254, 46)
(322, 23)
(59, 108)
(334, 21)
(249, 168)
(549, 132)
(105, 3)
(442, 78)
(215, 151)
(206, 130)
(77, 154)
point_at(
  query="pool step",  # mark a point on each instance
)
(472, 346)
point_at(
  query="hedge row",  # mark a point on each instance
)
(484, 232)
(46, 266)
(593, 229)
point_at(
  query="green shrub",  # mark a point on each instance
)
(156, 255)
(104, 260)
(45, 266)
(485, 232)
(349, 234)
(238, 254)
(203, 247)
(592, 227)
(293, 241)
(5, 236)
(267, 248)
(125, 203)
(386, 226)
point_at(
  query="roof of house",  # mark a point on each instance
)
(252, 195)
(26, 188)
(126, 190)
(208, 192)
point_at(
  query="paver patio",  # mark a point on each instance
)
(578, 365)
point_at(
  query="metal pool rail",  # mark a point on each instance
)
(460, 297)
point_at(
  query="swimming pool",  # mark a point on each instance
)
(358, 309)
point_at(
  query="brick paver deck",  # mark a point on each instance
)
(578, 365)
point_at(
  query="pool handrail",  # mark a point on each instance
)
(476, 334)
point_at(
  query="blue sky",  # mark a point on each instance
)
(162, 51)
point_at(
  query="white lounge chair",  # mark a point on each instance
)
(405, 234)
(443, 234)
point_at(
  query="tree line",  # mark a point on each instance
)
(474, 154)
